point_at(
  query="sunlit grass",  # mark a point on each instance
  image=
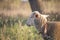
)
(16, 29)
(19, 33)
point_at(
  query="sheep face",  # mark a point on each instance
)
(38, 20)
(30, 21)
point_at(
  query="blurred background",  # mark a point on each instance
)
(14, 13)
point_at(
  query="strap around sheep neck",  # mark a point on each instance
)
(43, 29)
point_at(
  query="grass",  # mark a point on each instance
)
(18, 31)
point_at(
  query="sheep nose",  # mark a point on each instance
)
(28, 25)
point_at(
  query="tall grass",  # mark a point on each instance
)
(16, 29)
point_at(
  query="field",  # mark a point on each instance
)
(13, 19)
(17, 31)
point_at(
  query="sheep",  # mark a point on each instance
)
(48, 29)
(39, 21)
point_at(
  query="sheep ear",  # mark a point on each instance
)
(45, 16)
(36, 15)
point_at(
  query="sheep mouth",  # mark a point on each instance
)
(28, 25)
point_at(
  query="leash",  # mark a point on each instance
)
(44, 32)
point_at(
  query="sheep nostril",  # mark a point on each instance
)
(28, 25)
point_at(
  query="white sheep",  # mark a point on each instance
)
(39, 21)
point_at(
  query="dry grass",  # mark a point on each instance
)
(48, 6)
(14, 8)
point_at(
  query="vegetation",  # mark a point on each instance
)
(14, 28)
(11, 29)
(54, 17)
(9, 4)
